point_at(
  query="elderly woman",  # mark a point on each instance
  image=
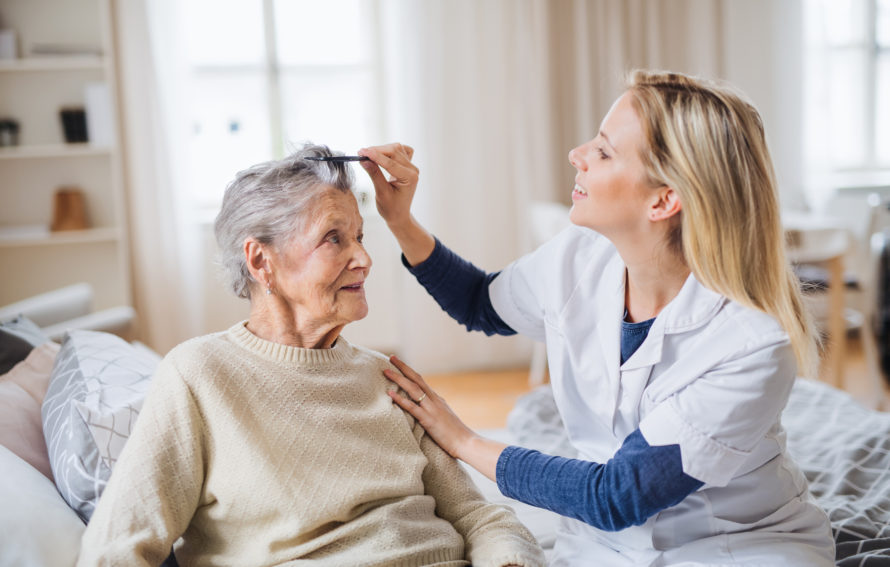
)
(275, 441)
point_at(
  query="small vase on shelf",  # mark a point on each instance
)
(69, 210)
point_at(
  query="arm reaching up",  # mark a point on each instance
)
(394, 196)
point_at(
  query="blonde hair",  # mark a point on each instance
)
(707, 142)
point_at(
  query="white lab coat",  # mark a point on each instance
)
(711, 376)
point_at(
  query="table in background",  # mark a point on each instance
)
(823, 241)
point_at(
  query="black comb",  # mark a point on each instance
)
(337, 158)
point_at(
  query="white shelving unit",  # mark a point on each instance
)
(52, 151)
(33, 88)
(71, 63)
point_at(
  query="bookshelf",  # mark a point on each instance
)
(64, 49)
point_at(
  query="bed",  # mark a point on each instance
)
(66, 411)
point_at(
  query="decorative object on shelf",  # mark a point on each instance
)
(74, 124)
(8, 44)
(9, 132)
(69, 210)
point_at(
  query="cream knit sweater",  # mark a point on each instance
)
(257, 453)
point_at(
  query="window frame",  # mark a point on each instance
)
(872, 52)
(272, 70)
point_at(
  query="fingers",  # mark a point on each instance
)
(406, 404)
(377, 177)
(414, 391)
(408, 380)
(407, 371)
(394, 158)
(414, 394)
(391, 151)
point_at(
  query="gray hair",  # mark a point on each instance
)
(268, 202)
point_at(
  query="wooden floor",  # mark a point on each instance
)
(872, 392)
(483, 399)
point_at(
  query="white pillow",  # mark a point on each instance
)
(38, 527)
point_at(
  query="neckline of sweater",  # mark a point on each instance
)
(286, 353)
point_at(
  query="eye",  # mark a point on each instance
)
(360, 238)
(333, 238)
(603, 154)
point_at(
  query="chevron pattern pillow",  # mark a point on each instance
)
(96, 390)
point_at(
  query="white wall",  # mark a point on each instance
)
(763, 42)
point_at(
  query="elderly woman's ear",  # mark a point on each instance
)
(258, 262)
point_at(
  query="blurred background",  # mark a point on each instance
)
(177, 96)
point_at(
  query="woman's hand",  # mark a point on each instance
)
(429, 409)
(394, 195)
(440, 422)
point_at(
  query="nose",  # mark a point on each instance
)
(361, 260)
(576, 158)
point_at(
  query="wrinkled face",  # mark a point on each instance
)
(611, 187)
(320, 273)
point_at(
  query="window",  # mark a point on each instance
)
(848, 83)
(262, 76)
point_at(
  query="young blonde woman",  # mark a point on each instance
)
(674, 330)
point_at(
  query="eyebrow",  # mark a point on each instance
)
(338, 223)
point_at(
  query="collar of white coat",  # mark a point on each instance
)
(693, 307)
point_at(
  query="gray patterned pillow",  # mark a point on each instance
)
(96, 390)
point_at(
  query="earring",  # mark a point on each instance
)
(268, 283)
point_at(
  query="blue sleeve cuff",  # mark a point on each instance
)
(460, 289)
(500, 471)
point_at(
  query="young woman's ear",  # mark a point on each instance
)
(665, 204)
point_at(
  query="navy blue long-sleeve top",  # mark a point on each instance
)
(636, 483)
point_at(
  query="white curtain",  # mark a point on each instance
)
(163, 274)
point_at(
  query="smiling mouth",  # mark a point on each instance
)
(579, 190)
